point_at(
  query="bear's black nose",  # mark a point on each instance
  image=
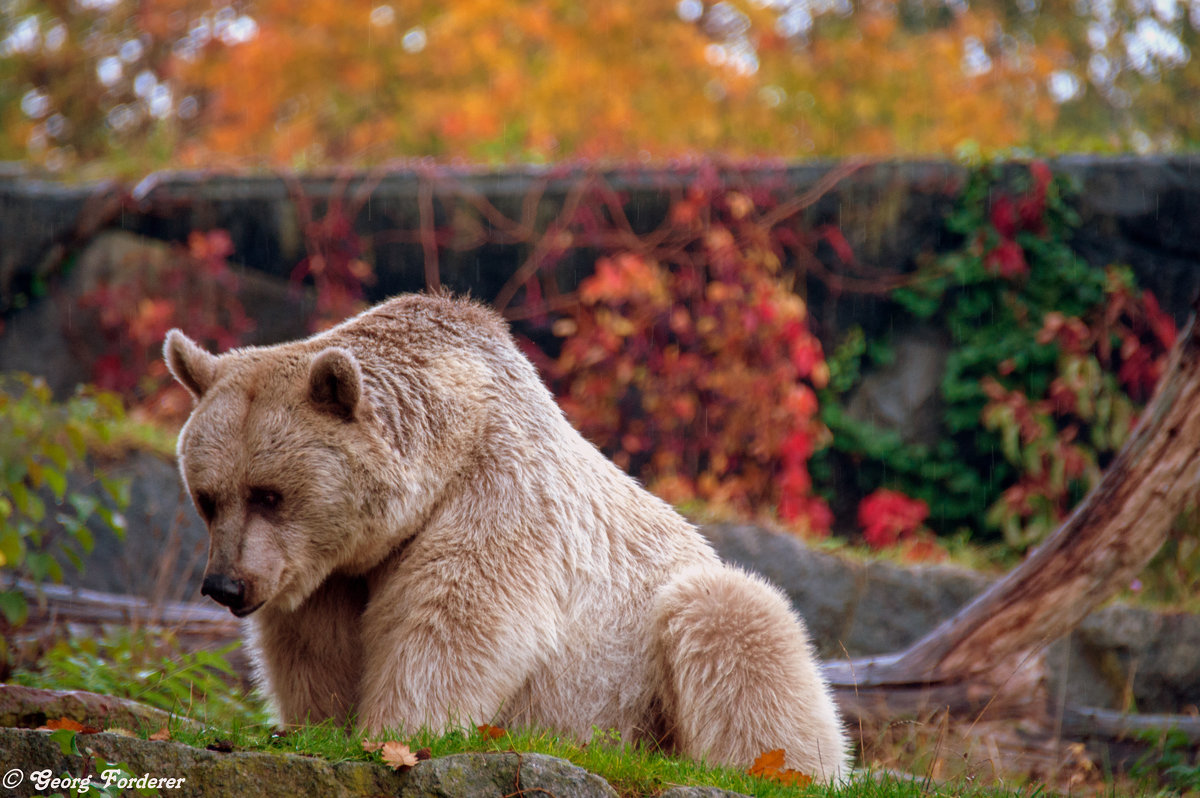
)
(223, 590)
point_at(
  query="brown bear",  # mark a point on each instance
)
(416, 536)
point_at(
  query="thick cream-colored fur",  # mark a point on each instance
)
(445, 547)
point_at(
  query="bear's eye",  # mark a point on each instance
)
(265, 499)
(207, 506)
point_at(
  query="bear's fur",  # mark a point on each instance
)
(417, 536)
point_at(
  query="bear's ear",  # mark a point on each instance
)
(335, 383)
(189, 363)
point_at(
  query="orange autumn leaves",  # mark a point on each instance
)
(68, 724)
(472, 78)
(546, 80)
(363, 81)
(770, 766)
(660, 358)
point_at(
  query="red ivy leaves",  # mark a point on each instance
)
(698, 375)
(1007, 259)
(1057, 439)
(1145, 343)
(335, 262)
(1010, 217)
(888, 517)
(1144, 335)
(192, 287)
(1004, 216)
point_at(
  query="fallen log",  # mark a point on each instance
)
(49, 604)
(1111, 726)
(55, 608)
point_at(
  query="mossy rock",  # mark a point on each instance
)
(203, 773)
(501, 774)
(265, 775)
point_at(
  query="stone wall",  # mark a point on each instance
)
(1136, 210)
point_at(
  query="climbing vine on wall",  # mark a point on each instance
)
(189, 285)
(1050, 360)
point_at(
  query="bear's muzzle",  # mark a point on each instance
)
(225, 590)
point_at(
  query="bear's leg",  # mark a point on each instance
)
(739, 677)
(309, 661)
(451, 637)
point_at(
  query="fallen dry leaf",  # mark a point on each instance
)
(70, 725)
(769, 765)
(398, 755)
(161, 734)
(768, 761)
(491, 732)
(371, 746)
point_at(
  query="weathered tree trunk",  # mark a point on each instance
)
(987, 654)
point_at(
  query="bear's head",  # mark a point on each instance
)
(286, 464)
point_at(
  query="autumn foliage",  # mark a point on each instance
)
(194, 84)
(700, 377)
(887, 517)
(1051, 359)
(193, 286)
(770, 766)
(1106, 366)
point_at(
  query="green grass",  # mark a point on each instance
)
(151, 668)
(632, 770)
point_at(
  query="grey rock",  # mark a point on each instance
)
(905, 394)
(493, 775)
(1134, 209)
(1134, 658)
(850, 608)
(204, 773)
(1119, 657)
(699, 792)
(55, 339)
(37, 220)
(1121, 627)
(31, 707)
(166, 546)
(898, 605)
(1139, 210)
(209, 773)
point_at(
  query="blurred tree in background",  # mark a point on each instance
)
(204, 82)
